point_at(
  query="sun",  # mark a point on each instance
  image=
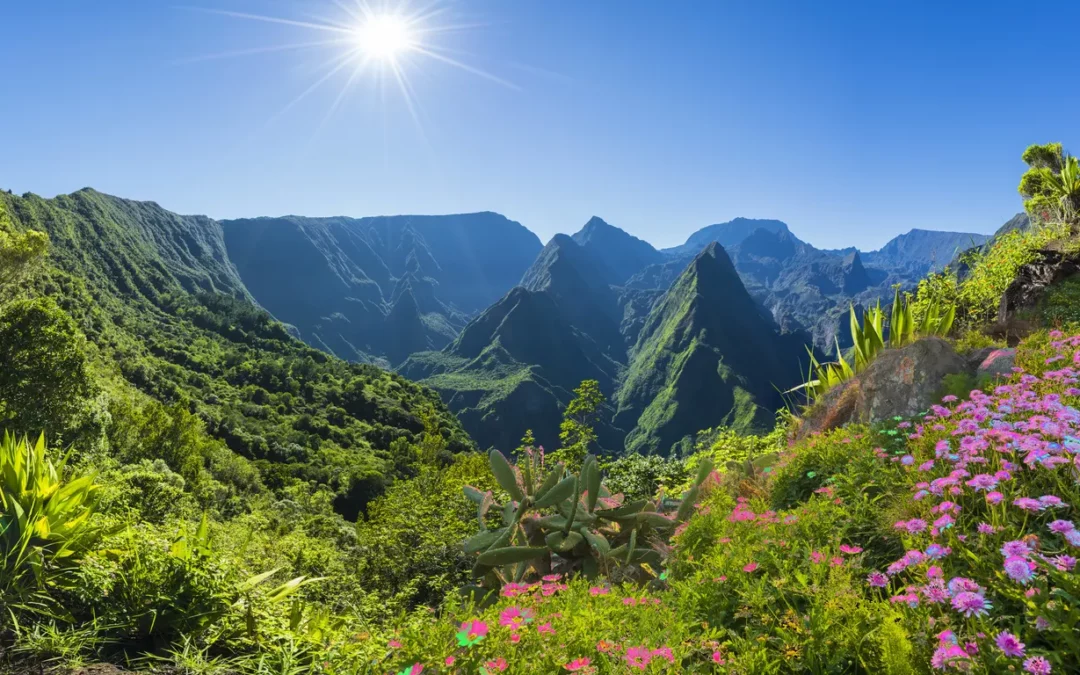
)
(367, 42)
(384, 37)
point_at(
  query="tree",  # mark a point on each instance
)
(577, 432)
(1051, 186)
(20, 256)
(45, 379)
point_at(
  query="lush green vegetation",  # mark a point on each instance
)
(133, 299)
(190, 507)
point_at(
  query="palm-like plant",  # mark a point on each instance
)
(45, 523)
(1064, 186)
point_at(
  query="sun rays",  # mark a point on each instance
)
(381, 43)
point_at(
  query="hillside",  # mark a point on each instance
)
(165, 312)
(379, 289)
(519, 361)
(705, 352)
(649, 347)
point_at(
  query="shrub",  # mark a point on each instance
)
(638, 476)
(993, 269)
(1060, 306)
(47, 525)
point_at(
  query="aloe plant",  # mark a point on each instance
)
(559, 521)
(869, 339)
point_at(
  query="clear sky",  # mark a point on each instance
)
(850, 121)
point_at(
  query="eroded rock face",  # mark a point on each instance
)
(1031, 281)
(900, 382)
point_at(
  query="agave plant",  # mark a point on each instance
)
(46, 522)
(869, 339)
(558, 521)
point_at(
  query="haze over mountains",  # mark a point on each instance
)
(504, 328)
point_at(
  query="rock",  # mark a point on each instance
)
(998, 363)
(1031, 280)
(900, 382)
(975, 358)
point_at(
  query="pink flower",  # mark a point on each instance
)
(1037, 665)
(638, 657)
(836, 562)
(816, 557)
(629, 602)
(718, 658)
(599, 590)
(545, 628)
(449, 660)
(513, 618)
(393, 644)
(471, 632)
(850, 550)
(577, 664)
(498, 664)
(750, 567)
(664, 653)
(1009, 644)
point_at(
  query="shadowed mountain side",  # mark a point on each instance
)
(520, 355)
(379, 289)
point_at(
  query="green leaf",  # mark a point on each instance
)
(505, 475)
(686, 509)
(704, 469)
(510, 555)
(598, 541)
(550, 481)
(563, 490)
(592, 485)
(483, 540)
(563, 542)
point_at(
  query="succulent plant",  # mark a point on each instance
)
(559, 521)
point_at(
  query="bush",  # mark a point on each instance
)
(47, 526)
(639, 476)
(994, 269)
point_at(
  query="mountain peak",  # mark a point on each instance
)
(731, 233)
(622, 254)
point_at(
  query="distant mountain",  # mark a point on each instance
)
(705, 355)
(515, 366)
(379, 289)
(726, 234)
(622, 254)
(921, 251)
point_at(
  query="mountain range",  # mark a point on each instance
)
(504, 328)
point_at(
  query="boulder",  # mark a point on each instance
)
(900, 382)
(1025, 291)
(998, 363)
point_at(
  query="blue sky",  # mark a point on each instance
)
(852, 122)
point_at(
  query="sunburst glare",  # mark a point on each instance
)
(366, 42)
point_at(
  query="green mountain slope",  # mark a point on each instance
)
(379, 289)
(705, 356)
(165, 311)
